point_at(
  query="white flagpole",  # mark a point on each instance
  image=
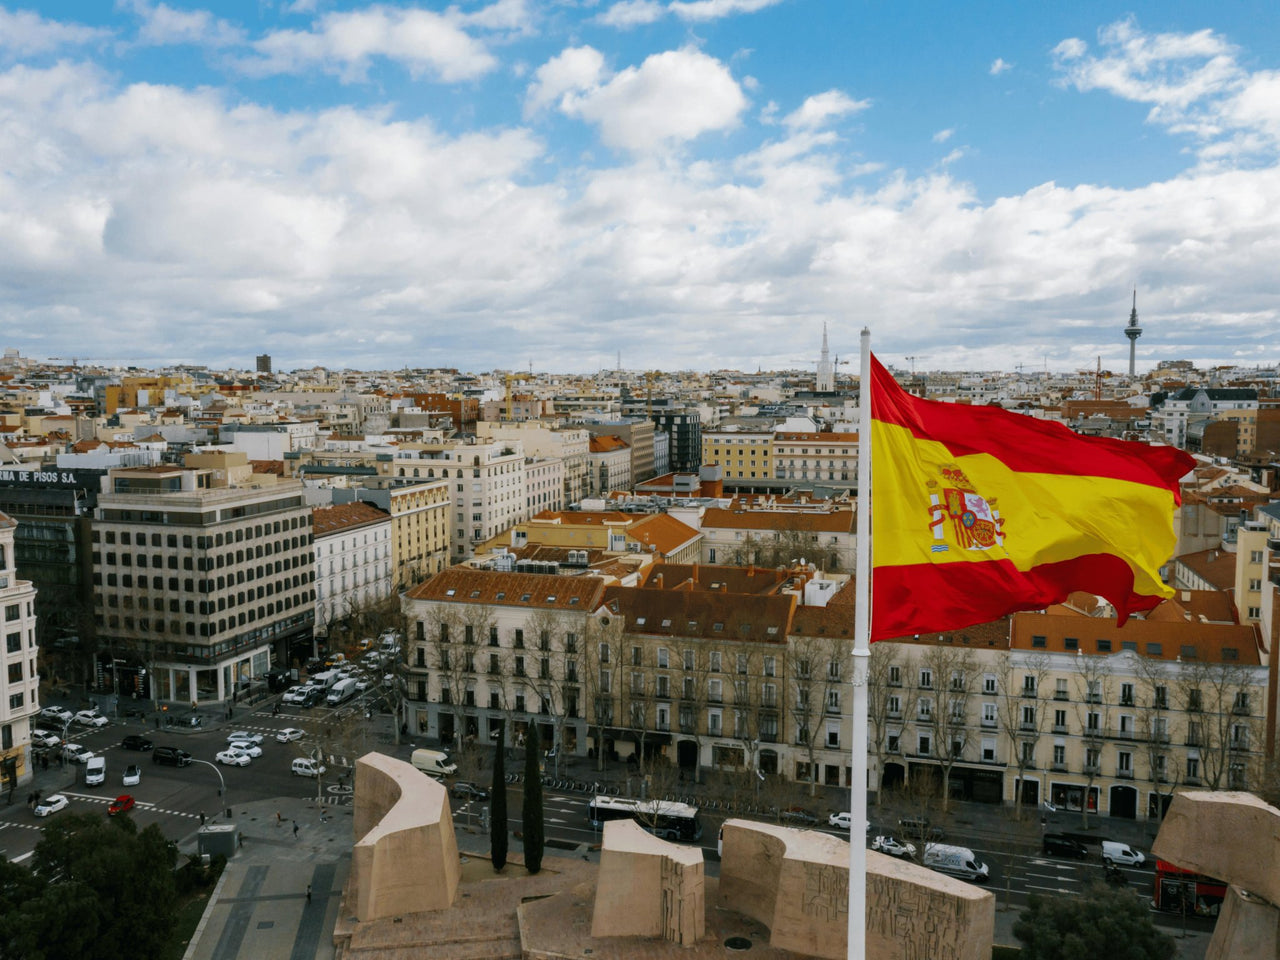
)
(861, 655)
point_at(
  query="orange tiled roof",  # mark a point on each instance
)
(607, 444)
(345, 516)
(709, 616)
(835, 521)
(662, 532)
(532, 590)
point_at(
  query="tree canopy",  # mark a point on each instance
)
(96, 888)
(1107, 922)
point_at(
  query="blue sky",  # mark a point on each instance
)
(695, 183)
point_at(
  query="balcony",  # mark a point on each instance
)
(1124, 774)
(988, 724)
(1058, 767)
(1123, 734)
(1193, 781)
(1092, 769)
(1026, 727)
(1061, 695)
(1239, 745)
(1059, 728)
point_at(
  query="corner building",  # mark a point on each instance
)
(204, 576)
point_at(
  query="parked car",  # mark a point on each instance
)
(132, 775)
(289, 734)
(76, 753)
(243, 746)
(171, 756)
(233, 758)
(799, 817)
(1059, 845)
(90, 718)
(244, 736)
(1121, 854)
(43, 738)
(893, 846)
(135, 742)
(121, 804)
(95, 771)
(919, 828)
(61, 714)
(295, 694)
(51, 804)
(465, 790)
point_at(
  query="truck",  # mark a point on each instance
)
(341, 692)
(957, 861)
(433, 762)
(325, 679)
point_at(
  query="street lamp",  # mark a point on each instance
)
(221, 792)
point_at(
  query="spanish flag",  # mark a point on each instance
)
(978, 512)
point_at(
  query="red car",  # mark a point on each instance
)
(121, 804)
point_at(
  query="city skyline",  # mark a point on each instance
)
(375, 186)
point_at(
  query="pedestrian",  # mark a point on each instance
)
(157, 721)
(308, 893)
(31, 799)
(202, 818)
(295, 829)
(279, 819)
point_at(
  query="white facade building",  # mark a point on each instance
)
(353, 560)
(19, 696)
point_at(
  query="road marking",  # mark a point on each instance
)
(1032, 886)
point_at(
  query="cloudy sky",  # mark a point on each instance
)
(694, 183)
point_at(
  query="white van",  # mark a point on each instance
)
(341, 692)
(1121, 854)
(306, 767)
(957, 861)
(95, 771)
(434, 762)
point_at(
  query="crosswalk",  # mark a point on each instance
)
(140, 804)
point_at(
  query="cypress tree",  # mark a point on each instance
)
(498, 811)
(532, 810)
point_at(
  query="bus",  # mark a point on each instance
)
(1179, 890)
(662, 818)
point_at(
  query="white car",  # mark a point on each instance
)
(61, 714)
(841, 821)
(90, 718)
(289, 734)
(244, 736)
(295, 694)
(76, 753)
(363, 684)
(893, 847)
(51, 804)
(233, 758)
(132, 775)
(43, 738)
(244, 746)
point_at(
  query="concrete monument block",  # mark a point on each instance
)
(1230, 835)
(796, 882)
(1248, 928)
(648, 887)
(405, 858)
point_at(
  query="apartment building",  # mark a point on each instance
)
(569, 444)
(488, 648)
(638, 434)
(19, 695)
(828, 458)
(419, 511)
(486, 486)
(776, 532)
(353, 560)
(660, 535)
(544, 484)
(609, 460)
(1068, 709)
(203, 575)
(743, 454)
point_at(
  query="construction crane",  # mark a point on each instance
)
(649, 377)
(513, 378)
(913, 363)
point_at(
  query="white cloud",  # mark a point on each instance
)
(574, 69)
(424, 42)
(998, 66)
(716, 9)
(632, 13)
(942, 136)
(23, 34)
(820, 108)
(670, 98)
(164, 25)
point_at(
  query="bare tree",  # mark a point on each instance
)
(448, 656)
(889, 702)
(818, 672)
(785, 548)
(1153, 703)
(695, 674)
(1022, 713)
(1093, 700)
(600, 669)
(1224, 726)
(951, 672)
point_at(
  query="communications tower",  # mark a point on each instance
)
(1133, 332)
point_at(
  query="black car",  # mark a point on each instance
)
(170, 756)
(799, 816)
(464, 790)
(1056, 844)
(135, 742)
(919, 828)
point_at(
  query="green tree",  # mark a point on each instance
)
(531, 811)
(1106, 922)
(498, 812)
(114, 883)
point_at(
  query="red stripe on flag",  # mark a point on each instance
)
(1023, 443)
(929, 598)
